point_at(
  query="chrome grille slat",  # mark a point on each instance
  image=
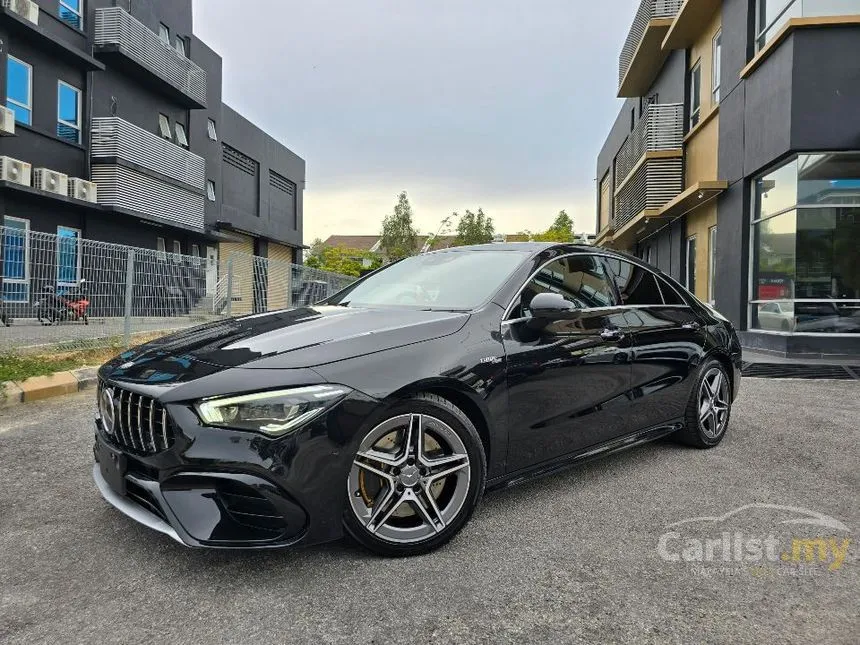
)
(137, 415)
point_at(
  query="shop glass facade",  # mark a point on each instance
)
(806, 246)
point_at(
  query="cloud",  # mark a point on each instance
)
(490, 103)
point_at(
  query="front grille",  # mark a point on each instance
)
(141, 424)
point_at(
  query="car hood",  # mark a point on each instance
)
(292, 338)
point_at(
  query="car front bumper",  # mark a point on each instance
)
(219, 488)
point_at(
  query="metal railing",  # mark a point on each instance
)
(648, 11)
(115, 26)
(114, 140)
(133, 292)
(660, 128)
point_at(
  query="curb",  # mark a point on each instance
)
(38, 388)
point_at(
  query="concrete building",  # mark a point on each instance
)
(121, 135)
(734, 163)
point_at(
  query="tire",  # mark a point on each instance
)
(706, 427)
(405, 501)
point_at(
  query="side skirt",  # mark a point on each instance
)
(560, 464)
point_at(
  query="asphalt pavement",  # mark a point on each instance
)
(600, 553)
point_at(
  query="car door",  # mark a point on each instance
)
(668, 343)
(567, 379)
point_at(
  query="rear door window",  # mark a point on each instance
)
(636, 286)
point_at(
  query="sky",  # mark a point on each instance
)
(464, 104)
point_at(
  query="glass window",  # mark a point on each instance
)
(712, 262)
(181, 137)
(210, 127)
(68, 112)
(716, 54)
(690, 273)
(774, 14)
(580, 279)
(774, 257)
(776, 191)
(636, 285)
(828, 179)
(161, 248)
(19, 89)
(435, 281)
(695, 98)
(669, 292)
(164, 126)
(827, 264)
(16, 259)
(71, 12)
(68, 256)
(164, 34)
(179, 46)
(210, 190)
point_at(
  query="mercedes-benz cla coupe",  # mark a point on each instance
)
(387, 409)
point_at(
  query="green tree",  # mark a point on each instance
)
(399, 237)
(474, 228)
(342, 260)
(561, 230)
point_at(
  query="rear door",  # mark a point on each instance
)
(667, 345)
(567, 379)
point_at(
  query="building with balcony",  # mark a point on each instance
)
(121, 104)
(734, 163)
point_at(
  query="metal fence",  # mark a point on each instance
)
(66, 293)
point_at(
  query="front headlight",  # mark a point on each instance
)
(275, 412)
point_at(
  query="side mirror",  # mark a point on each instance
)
(552, 306)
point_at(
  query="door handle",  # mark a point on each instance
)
(692, 326)
(611, 334)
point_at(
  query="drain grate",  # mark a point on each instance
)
(789, 370)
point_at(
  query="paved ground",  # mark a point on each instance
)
(30, 333)
(569, 558)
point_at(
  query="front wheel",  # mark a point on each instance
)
(709, 408)
(416, 478)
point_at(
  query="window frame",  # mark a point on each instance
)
(716, 65)
(160, 248)
(166, 30)
(712, 263)
(162, 132)
(75, 126)
(78, 257)
(29, 106)
(760, 29)
(212, 129)
(26, 279)
(177, 40)
(210, 190)
(694, 96)
(63, 4)
(181, 135)
(688, 266)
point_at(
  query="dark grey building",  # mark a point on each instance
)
(121, 135)
(742, 178)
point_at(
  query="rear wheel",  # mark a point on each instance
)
(709, 408)
(416, 478)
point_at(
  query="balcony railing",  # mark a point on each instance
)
(142, 172)
(649, 166)
(648, 10)
(115, 137)
(117, 28)
(660, 128)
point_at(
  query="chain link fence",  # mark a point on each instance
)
(65, 293)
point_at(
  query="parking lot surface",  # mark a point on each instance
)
(599, 553)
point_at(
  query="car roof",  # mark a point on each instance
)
(530, 247)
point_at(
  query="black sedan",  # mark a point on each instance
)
(388, 409)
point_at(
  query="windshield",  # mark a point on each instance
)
(459, 280)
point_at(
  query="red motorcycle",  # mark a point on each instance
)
(70, 305)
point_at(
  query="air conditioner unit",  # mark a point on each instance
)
(83, 189)
(51, 181)
(7, 121)
(15, 170)
(27, 9)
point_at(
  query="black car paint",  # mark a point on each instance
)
(514, 382)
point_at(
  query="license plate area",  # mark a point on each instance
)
(112, 464)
